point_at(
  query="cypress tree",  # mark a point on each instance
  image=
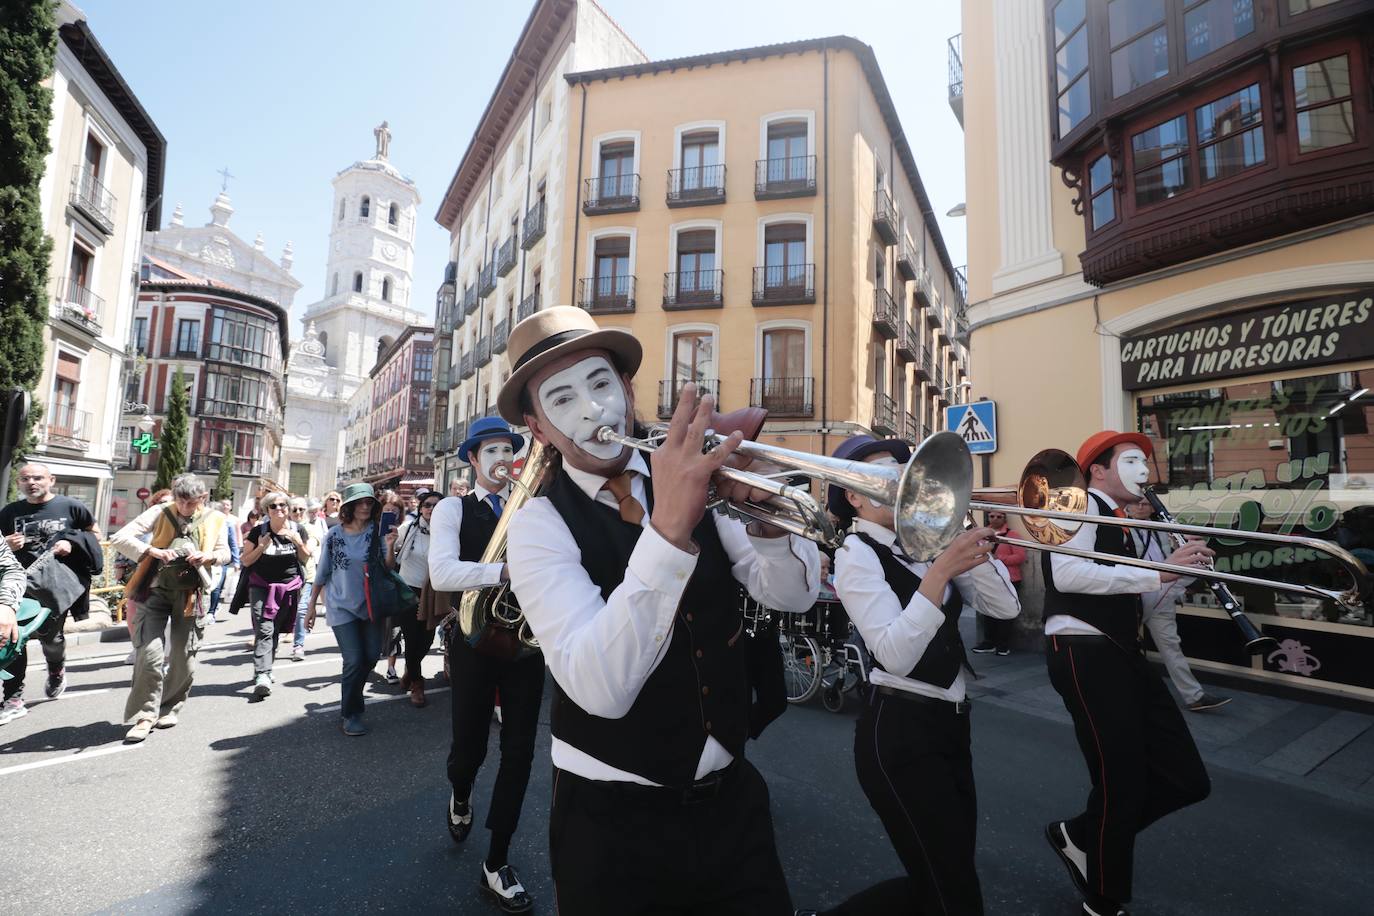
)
(224, 484)
(28, 48)
(171, 445)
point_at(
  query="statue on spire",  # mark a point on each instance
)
(383, 135)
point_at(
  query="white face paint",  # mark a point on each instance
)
(581, 399)
(885, 460)
(1133, 470)
(493, 454)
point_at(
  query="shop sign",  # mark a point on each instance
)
(1316, 332)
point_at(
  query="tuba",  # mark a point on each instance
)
(490, 618)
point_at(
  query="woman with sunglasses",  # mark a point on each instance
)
(408, 554)
(312, 540)
(274, 557)
(332, 504)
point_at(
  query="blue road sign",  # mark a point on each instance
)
(976, 423)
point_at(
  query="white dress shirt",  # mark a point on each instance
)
(898, 636)
(601, 651)
(447, 573)
(1087, 577)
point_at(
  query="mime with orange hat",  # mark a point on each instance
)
(1137, 748)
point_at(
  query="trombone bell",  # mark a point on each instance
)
(1051, 481)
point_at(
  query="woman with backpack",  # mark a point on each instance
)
(274, 558)
(408, 554)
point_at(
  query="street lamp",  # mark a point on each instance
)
(966, 384)
(959, 209)
(146, 424)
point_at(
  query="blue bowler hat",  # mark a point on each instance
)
(857, 448)
(489, 428)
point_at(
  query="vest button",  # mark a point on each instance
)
(706, 691)
(699, 653)
(708, 726)
(688, 616)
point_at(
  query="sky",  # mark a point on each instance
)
(286, 93)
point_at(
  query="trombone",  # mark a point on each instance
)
(1052, 499)
(930, 495)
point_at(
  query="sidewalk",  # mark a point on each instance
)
(1306, 744)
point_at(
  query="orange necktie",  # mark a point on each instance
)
(630, 509)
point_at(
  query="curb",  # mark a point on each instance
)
(117, 633)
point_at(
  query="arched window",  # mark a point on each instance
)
(365, 208)
(343, 208)
(393, 215)
(358, 281)
(334, 284)
(386, 289)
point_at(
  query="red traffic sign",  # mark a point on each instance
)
(144, 493)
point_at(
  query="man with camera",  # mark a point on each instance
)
(44, 523)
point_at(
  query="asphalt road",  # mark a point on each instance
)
(265, 807)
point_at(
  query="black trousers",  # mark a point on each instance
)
(915, 766)
(475, 680)
(631, 850)
(1139, 752)
(416, 639)
(49, 635)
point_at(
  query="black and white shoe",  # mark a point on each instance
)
(506, 888)
(1097, 906)
(459, 818)
(983, 648)
(1074, 859)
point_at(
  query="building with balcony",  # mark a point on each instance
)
(1188, 255)
(101, 188)
(231, 348)
(395, 411)
(508, 206)
(368, 304)
(775, 248)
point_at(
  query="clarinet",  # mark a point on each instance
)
(1255, 641)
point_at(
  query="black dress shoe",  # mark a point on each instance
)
(459, 819)
(505, 886)
(1057, 833)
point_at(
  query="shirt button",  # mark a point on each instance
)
(658, 638)
(679, 575)
(706, 691)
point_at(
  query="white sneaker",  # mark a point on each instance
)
(505, 886)
(262, 685)
(12, 709)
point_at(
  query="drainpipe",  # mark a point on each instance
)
(529, 177)
(825, 250)
(577, 192)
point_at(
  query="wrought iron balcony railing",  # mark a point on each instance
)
(483, 352)
(956, 77)
(906, 260)
(885, 222)
(505, 258)
(611, 194)
(785, 284)
(527, 307)
(703, 184)
(887, 317)
(470, 300)
(908, 345)
(884, 415)
(783, 397)
(794, 176)
(68, 427)
(910, 428)
(486, 280)
(607, 295)
(91, 198)
(79, 306)
(534, 225)
(670, 389)
(693, 289)
(500, 333)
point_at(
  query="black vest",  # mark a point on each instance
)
(1118, 616)
(701, 686)
(479, 523)
(940, 663)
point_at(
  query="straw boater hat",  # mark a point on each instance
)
(550, 334)
(1100, 443)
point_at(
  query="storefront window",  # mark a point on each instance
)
(1293, 457)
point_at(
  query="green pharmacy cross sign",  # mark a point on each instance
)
(145, 444)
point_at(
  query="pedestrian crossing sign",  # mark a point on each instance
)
(976, 423)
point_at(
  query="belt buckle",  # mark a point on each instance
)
(962, 707)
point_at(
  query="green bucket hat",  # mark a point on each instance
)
(31, 616)
(356, 491)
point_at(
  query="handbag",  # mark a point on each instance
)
(53, 584)
(31, 617)
(386, 593)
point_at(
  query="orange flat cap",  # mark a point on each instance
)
(1098, 443)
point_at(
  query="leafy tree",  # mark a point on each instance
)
(171, 445)
(224, 484)
(28, 48)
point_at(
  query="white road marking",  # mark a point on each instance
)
(241, 643)
(70, 758)
(70, 694)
